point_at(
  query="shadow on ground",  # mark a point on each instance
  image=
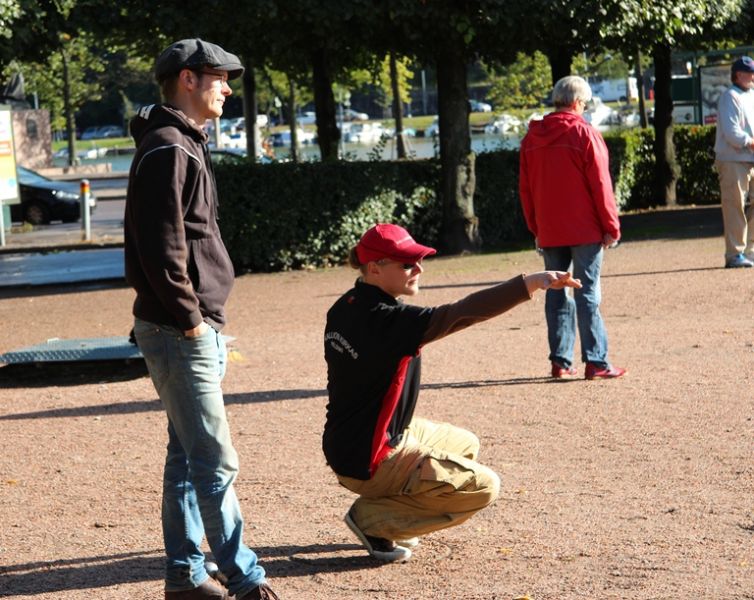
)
(65, 374)
(31, 291)
(145, 406)
(93, 572)
(685, 222)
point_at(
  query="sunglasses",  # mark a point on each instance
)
(404, 266)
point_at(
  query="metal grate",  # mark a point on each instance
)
(57, 350)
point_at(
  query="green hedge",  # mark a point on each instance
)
(698, 183)
(496, 201)
(632, 166)
(289, 216)
(286, 215)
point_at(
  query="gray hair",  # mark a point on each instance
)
(570, 89)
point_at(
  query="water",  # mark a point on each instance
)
(417, 148)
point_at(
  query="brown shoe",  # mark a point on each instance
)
(209, 590)
(261, 592)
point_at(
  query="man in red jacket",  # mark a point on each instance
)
(567, 199)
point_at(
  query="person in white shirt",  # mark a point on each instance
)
(734, 161)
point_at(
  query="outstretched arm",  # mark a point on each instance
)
(492, 301)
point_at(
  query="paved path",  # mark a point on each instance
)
(55, 254)
(52, 254)
(24, 269)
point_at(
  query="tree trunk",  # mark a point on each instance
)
(70, 123)
(292, 120)
(640, 89)
(400, 140)
(560, 63)
(666, 166)
(328, 133)
(460, 227)
(253, 144)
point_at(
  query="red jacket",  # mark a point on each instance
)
(564, 182)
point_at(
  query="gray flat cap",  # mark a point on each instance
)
(193, 54)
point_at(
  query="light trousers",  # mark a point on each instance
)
(429, 482)
(738, 223)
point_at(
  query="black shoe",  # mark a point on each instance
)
(261, 592)
(209, 590)
(379, 548)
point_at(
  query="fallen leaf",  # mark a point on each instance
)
(235, 356)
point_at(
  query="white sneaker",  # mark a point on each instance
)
(379, 548)
(739, 261)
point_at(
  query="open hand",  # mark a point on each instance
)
(562, 279)
(545, 280)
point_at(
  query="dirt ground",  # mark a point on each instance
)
(639, 488)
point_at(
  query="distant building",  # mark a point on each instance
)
(32, 138)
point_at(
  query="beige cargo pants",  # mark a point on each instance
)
(735, 179)
(429, 482)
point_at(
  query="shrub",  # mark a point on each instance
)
(698, 183)
(632, 166)
(496, 201)
(287, 215)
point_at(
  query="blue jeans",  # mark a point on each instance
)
(562, 310)
(198, 496)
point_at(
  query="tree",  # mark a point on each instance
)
(324, 38)
(449, 34)
(10, 10)
(522, 84)
(46, 31)
(44, 78)
(660, 27)
(561, 29)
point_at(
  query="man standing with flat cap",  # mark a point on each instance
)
(178, 265)
(734, 160)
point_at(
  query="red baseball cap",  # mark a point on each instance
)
(385, 240)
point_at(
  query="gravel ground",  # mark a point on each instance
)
(637, 488)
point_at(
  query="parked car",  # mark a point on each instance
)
(44, 200)
(96, 132)
(110, 131)
(283, 138)
(89, 133)
(477, 106)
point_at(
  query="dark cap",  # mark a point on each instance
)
(390, 241)
(193, 54)
(744, 64)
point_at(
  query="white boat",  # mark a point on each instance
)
(363, 133)
(502, 124)
(598, 114)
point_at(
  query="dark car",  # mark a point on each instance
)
(44, 200)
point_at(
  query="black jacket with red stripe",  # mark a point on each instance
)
(372, 348)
